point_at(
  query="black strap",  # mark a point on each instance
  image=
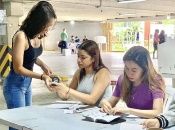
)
(160, 121)
(166, 122)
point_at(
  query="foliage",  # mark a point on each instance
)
(118, 47)
(168, 21)
(126, 34)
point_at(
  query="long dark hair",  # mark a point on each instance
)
(37, 19)
(150, 76)
(92, 49)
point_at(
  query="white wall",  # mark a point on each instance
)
(90, 29)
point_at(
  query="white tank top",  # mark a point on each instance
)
(87, 83)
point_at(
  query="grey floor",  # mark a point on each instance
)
(66, 66)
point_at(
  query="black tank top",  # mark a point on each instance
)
(30, 56)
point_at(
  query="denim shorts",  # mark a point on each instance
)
(17, 90)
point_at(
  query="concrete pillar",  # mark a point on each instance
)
(0, 4)
(147, 34)
(14, 10)
(107, 29)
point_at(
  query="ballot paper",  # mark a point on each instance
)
(68, 102)
(62, 104)
(69, 106)
(59, 106)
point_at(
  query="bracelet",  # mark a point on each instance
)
(160, 122)
(166, 123)
(42, 77)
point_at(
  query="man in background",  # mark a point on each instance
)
(64, 38)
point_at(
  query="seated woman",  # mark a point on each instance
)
(141, 87)
(91, 82)
(162, 121)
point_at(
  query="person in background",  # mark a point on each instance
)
(164, 120)
(91, 82)
(162, 37)
(140, 87)
(137, 36)
(72, 44)
(26, 48)
(85, 38)
(77, 40)
(64, 38)
(155, 42)
(72, 40)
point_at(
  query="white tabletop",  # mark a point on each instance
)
(44, 118)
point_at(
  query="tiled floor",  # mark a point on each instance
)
(66, 66)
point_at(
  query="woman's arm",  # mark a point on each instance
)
(75, 80)
(107, 105)
(159, 122)
(157, 109)
(73, 85)
(101, 82)
(43, 66)
(167, 119)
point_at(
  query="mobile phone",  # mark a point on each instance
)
(55, 78)
(54, 83)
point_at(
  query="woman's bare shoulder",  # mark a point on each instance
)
(20, 35)
(77, 73)
(103, 71)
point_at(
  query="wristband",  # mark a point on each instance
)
(166, 122)
(42, 77)
(160, 122)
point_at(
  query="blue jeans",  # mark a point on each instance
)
(17, 91)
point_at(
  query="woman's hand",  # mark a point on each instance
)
(151, 123)
(105, 106)
(60, 88)
(119, 110)
(47, 81)
(63, 96)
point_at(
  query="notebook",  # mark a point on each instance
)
(95, 115)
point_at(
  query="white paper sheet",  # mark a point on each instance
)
(59, 106)
(129, 126)
(132, 116)
(68, 102)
